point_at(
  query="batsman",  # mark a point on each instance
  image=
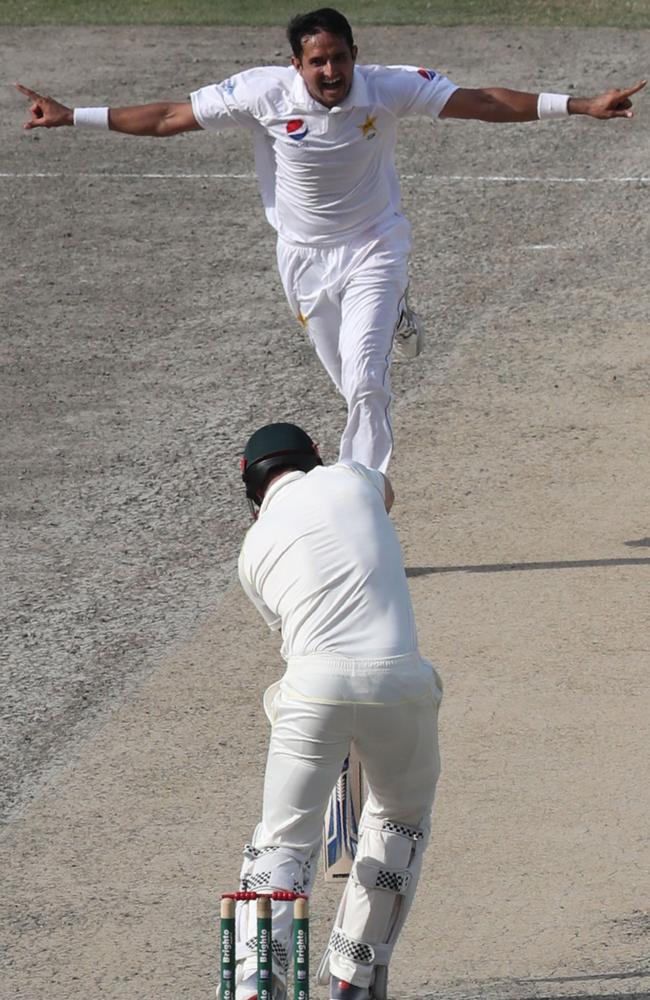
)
(322, 562)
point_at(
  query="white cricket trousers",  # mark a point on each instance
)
(397, 743)
(349, 300)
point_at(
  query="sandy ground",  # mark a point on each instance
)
(144, 334)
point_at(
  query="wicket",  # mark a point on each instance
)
(265, 942)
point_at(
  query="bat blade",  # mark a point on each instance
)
(342, 816)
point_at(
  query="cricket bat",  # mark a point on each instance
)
(342, 816)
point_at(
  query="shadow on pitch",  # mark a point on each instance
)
(598, 977)
(643, 995)
(519, 989)
(521, 567)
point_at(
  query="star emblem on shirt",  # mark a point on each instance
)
(369, 127)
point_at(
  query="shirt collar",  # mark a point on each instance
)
(357, 98)
(277, 485)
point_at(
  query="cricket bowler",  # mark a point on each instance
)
(325, 131)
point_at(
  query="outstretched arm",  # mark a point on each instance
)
(496, 104)
(161, 119)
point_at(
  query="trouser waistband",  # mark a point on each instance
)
(330, 663)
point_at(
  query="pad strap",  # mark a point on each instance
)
(349, 947)
(252, 853)
(262, 880)
(359, 951)
(284, 873)
(391, 826)
(370, 876)
(278, 952)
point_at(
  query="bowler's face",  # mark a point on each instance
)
(327, 67)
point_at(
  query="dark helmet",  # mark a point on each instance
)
(271, 448)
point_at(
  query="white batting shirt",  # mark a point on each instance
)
(325, 174)
(324, 563)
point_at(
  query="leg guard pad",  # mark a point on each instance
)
(265, 869)
(376, 900)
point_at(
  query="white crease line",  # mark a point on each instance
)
(552, 246)
(440, 179)
(53, 175)
(499, 179)
(120, 176)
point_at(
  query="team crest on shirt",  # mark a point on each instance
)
(297, 129)
(428, 74)
(229, 86)
(369, 127)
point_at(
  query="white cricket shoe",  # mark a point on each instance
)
(409, 335)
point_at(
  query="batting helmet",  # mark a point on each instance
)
(274, 447)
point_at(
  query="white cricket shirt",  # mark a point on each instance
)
(324, 563)
(326, 175)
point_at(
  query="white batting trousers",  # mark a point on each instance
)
(397, 743)
(348, 298)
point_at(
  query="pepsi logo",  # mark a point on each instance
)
(296, 129)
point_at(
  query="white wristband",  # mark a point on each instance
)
(90, 117)
(552, 105)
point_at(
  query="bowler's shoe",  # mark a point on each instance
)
(409, 335)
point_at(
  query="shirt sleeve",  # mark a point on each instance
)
(221, 106)
(272, 619)
(417, 91)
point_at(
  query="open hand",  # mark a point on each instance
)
(45, 111)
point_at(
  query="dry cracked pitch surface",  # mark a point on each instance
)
(144, 335)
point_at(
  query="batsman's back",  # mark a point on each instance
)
(325, 560)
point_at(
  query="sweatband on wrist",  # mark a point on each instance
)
(90, 117)
(552, 105)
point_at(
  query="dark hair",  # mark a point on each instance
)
(324, 19)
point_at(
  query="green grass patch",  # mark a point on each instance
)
(578, 13)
